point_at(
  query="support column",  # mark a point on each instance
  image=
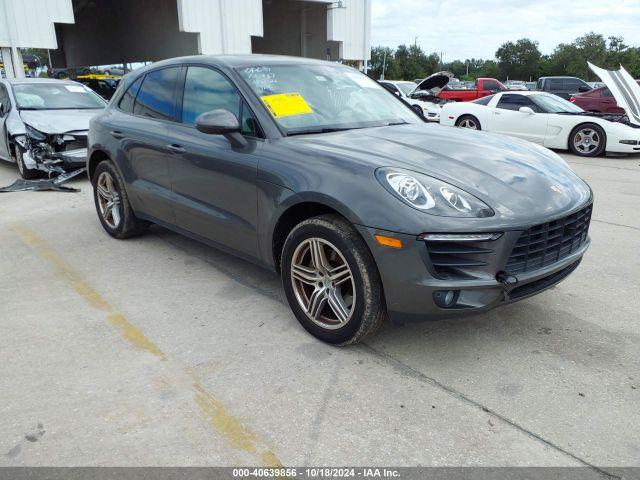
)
(18, 63)
(8, 62)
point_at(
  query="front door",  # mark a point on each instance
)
(507, 118)
(4, 114)
(214, 183)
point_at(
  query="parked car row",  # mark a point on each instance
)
(553, 122)
(313, 170)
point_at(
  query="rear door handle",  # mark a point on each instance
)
(117, 134)
(176, 148)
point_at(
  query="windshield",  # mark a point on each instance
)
(554, 104)
(318, 98)
(55, 96)
(406, 87)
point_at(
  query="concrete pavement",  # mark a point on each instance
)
(162, 351)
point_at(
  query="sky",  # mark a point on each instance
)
(476, 28)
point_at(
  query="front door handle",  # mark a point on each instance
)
(176, 148)
(117, 134)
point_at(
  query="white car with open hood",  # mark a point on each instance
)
(553, 122)
(44, 124)
(422, 97)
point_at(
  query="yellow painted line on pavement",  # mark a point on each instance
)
(215, 413)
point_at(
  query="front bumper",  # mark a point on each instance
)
(410, 282)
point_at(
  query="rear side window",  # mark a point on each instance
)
(484, 100)
(156, 98)
(573, 84)
(206, 89)
(129, 97)
(555, 84)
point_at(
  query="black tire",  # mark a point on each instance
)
(418, 109)
(584, 151)
(128, 225)
(26, 173)
(61, 75)
(468, 118)
(107, 72)
(368, 309)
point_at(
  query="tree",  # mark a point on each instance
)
(519, 60)
(378, 61)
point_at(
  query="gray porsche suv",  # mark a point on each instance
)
(314, 170)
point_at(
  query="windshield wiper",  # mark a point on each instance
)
(316, 131)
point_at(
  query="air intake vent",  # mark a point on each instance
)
(550, 242)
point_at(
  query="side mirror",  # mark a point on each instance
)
(221, 122)
(584, 88)
(527, 110)
(2, 112)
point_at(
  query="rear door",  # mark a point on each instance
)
(213, 182)
(148, 114)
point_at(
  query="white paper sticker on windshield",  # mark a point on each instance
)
(361, 80)
(75, 88)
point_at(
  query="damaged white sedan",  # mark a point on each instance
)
(44, 125)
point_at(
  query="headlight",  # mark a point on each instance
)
(428, 194)
(35, 134)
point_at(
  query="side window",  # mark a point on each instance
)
(129, 97)
(490, 85)
(514, 102)
(156, 98)
(606, 93)
(555, 84)
(206, 89)
(4, 99)
(249, 125)
(572, 85)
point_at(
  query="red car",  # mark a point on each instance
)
(483, 87)
(597, 100)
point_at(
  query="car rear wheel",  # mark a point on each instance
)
(587, 140)
(26, 173)
(112, 203)
(468, 121)
(331, 281)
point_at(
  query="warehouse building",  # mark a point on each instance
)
(102, 32)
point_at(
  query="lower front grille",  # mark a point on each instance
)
(550, 242)
(457, 259)
(541, 284)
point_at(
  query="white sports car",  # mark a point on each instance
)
(422, 96)
(553, 122)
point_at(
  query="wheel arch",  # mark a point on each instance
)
(96, 157)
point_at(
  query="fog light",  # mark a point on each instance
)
(445, 298)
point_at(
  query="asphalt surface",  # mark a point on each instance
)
(162, 351)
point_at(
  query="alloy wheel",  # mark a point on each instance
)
(323, 283)
(586, 140)
(108, 200)
(468, 123)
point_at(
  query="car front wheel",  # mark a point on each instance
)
(587, 140)
(331, 281)
(468, 121)
(26, 173)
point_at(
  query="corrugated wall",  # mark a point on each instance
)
(29, 23)
(225, 26)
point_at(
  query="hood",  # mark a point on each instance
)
(624, 89)
(54, 122)
(524, 183)
(434, 83)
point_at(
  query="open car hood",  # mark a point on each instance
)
(54, 122)
(434, 83)
(624, 89)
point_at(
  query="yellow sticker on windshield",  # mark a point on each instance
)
(286, 104)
